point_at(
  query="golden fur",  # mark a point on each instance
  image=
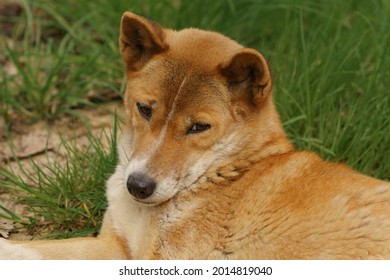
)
(235, 190)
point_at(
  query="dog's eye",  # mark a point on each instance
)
(198, 127)
(144, 110)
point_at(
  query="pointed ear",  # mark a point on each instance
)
(139, 40)
(248, 71)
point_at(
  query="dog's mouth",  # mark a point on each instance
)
(162, 194)
(148, 203)
(147, 190)
(159, 201)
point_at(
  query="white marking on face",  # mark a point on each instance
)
(163, 132)
(136, 166)
(139, 164)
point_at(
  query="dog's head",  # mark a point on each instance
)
(193, 100)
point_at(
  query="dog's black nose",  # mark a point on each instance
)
(140, 186)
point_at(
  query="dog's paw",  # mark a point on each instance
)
(11, 251)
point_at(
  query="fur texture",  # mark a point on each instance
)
(201, 123)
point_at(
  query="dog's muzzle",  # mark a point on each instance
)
(140, 186)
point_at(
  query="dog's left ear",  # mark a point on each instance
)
(140, 39)
(247, 72)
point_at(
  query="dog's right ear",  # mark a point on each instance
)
(248, 75)
(139, 40)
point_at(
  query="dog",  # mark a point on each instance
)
(207, 172)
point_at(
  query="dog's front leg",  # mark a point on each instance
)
(106, 246)
(74, 248)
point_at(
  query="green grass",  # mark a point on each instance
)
(65, 200)
(58, 60)
(330, 61)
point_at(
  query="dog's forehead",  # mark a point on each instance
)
(192, 62)
(187, 74)
(206, 49)
(184, 86)
(171, 79)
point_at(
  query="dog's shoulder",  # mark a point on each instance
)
(297, 203)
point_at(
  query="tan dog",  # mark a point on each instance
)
(206, 171)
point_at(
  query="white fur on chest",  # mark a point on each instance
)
(140, 225)
(131, 222)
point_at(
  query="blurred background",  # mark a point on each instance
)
(59, 59)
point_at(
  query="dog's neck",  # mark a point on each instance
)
(268, 139)
(239, 164)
